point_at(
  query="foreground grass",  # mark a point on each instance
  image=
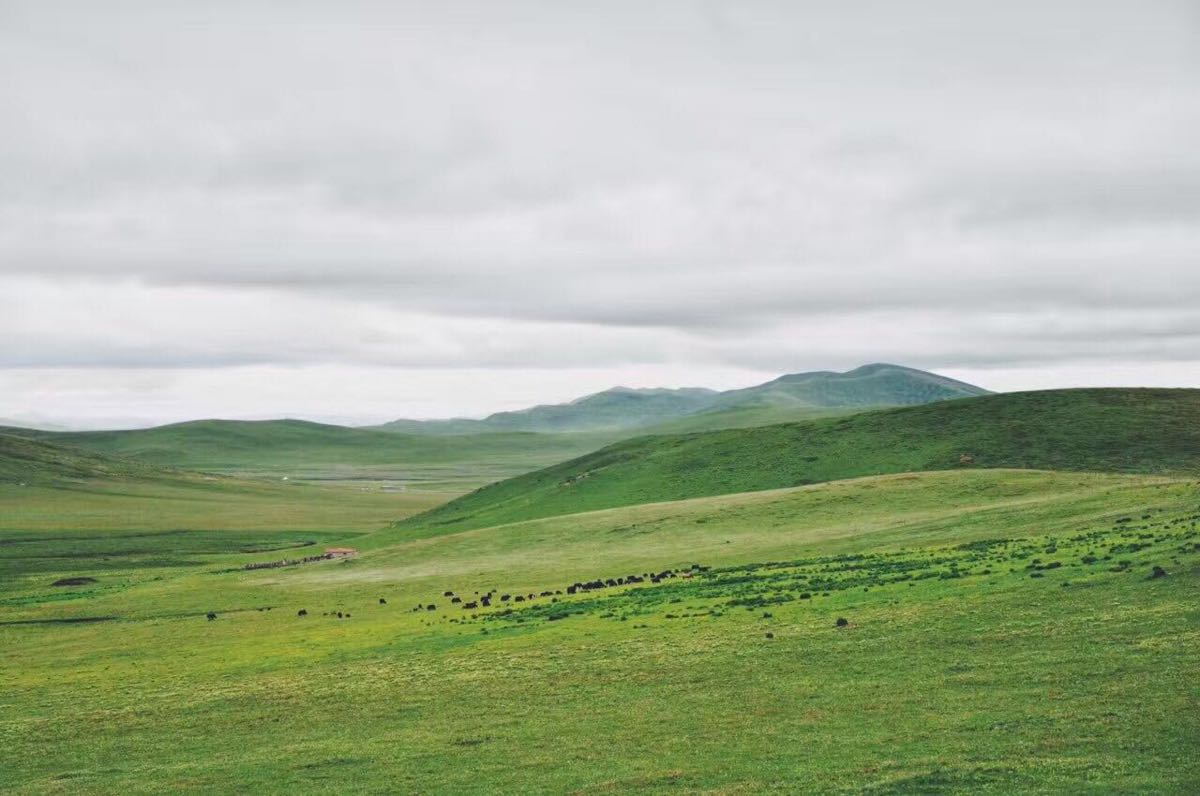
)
(1003, 634)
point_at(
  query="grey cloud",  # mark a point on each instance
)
(676, 183)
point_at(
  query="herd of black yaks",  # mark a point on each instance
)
(486, 600)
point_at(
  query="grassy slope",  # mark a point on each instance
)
(744, 417)
(958, 672)
(1114, 430)
(30, 461)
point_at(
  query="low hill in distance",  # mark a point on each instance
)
(1103, 430)
(318, 451)
(464, 454)
(622, 408)
(32, 462)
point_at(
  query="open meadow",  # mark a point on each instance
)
(982, 630)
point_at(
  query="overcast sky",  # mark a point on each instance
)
(357, 211)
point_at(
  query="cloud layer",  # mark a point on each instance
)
(697, 188)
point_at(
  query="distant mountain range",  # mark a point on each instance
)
(471, 452)
(623, 408)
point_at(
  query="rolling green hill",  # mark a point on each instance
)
(463, 454)
(622, 408)
(314, 450)
(33, 462)
(1110, 430)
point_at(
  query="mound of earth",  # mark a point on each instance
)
(74, 581)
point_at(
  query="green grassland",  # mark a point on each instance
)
(1107, 430)
(1003, 633)
(905, 624)
(62, 508)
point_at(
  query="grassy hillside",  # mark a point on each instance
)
(33, 462)
(314, 450)
(1003, 633)
(1110, 430)
(744, 417)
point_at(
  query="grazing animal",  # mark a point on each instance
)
(382, 601)
(1158, 572)
(842, 621)
(211, 616)
(471, 604)
(302, 612)
(519, 599)
(447, 594)
(456, 599)
(339, 614)
(431, 607)
(770, 635)
(505, 598)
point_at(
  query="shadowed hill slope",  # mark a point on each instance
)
(1109, 430)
